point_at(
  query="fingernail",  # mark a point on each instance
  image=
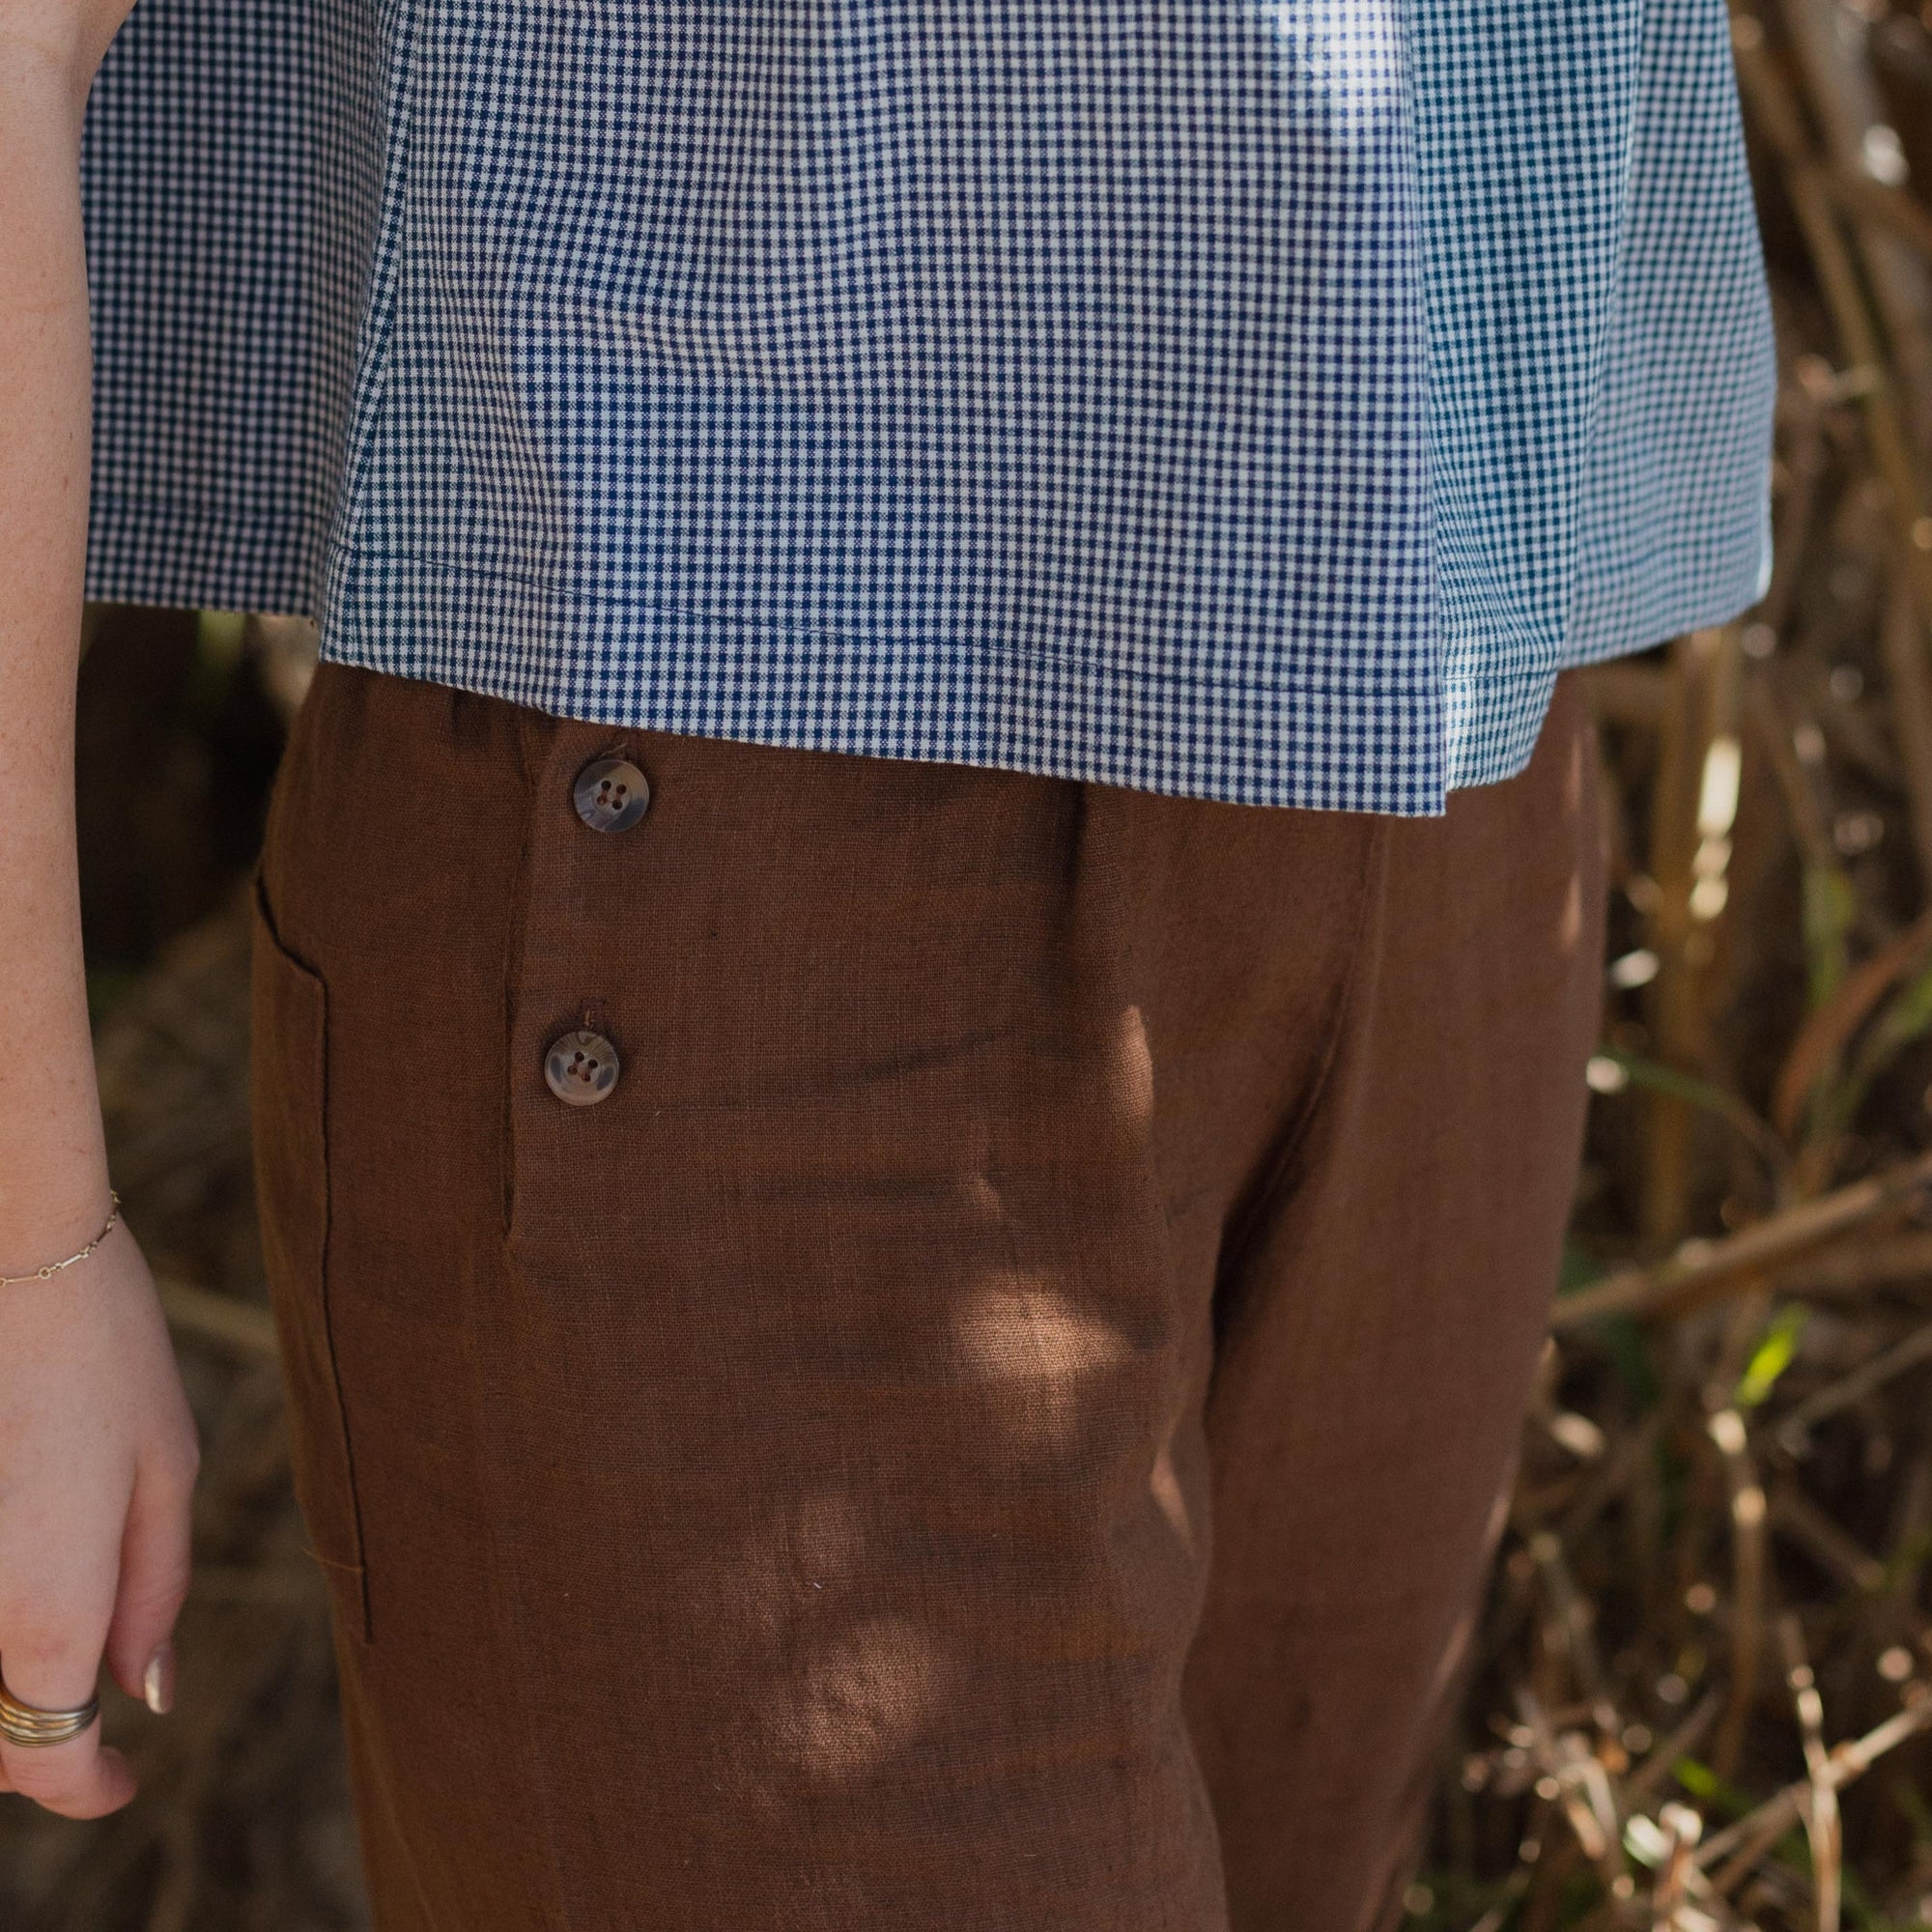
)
(157, 1681)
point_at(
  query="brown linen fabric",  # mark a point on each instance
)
(997, 1420)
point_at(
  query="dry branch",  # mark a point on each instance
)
(1700, 1267)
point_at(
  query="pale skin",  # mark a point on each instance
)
(98, 1450)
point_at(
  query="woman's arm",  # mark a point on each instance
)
(97, 1447)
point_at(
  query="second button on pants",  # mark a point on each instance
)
(972, 1387)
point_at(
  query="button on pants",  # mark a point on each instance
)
(995, 1416)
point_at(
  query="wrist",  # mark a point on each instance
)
(41, 1247)
(54, 1182)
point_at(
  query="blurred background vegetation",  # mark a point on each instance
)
(1701, 1696)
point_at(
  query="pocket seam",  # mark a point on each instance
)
(338, 1573)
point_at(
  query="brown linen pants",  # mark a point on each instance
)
(996, 1422)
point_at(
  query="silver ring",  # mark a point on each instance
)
(32, 1728)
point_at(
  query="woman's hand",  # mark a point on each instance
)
(98, 1458)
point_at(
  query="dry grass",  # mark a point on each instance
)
(1701, 1694)
(1704, 1683)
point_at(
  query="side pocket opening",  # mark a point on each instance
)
(289, 1099)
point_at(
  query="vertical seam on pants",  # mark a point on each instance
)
(512, 971)
(1239, 1238)
(528, 773)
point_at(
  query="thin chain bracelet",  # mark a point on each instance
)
(53, 1268)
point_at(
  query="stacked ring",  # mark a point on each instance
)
(32, 1728)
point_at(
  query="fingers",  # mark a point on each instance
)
(153, 1581)
(52, 1661)
(80, 1779)
(95, 1479)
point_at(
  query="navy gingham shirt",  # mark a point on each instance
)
(1248, 401)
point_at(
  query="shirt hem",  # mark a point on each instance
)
(1370, 740)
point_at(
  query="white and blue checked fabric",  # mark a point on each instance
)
(1247, 401)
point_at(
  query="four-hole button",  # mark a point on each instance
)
(581, 1067)
(610, 794)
